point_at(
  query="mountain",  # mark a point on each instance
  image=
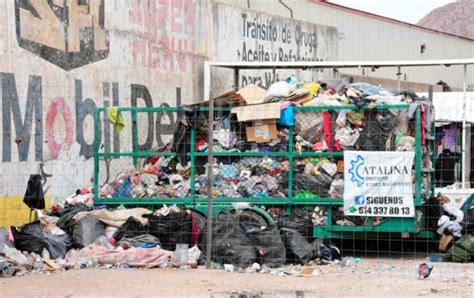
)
(455, 18)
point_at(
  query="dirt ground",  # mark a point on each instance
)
(364, 277)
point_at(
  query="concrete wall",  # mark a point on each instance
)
(60, 59)
(52, 77)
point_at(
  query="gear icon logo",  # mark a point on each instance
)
(354, 170)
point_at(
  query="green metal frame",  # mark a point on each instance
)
(389, 225)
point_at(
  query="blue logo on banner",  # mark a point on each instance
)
(359, 200)
(354, 170)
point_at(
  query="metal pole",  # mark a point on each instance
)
(96, 152)
(418, 159)
(464, 134)
(207, 80)
(209, 181)
(399, 75)
(236, 79)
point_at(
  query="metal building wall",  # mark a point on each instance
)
(365, 38)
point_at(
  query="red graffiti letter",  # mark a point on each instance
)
(58, 106)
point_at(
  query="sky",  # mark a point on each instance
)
(410, 11)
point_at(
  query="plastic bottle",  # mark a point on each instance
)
(38, 266)
(6, 269)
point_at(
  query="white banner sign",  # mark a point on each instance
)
(378, 184)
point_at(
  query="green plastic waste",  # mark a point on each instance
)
(306, 195)
(462, 250)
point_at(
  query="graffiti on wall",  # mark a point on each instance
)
(162, 36)
(67, 33)
(164, 32)
(151, 52)
(33, 129)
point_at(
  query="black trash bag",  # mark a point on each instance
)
(29, 238)
(434, 211)
(86, 231)
(324, 250)
(297, 248)
(66, 221)
(131, 228)
(338, 214)
(469, 220)
(34, 195)
(190, 117)
(57, 245)
(171, 229)
(229, 243)
(316, 184)
(374, 135)
(299, 220)
(267, 242)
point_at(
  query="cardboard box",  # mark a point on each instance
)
(249, 95)
(252, 94)
(230, 98)
(258, 112)
(262, 131)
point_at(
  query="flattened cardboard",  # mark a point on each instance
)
(252, 94)
(262, 131)
(230, 98)
(258, 112)
(300, 96)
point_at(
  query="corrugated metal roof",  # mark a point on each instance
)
(382, 18)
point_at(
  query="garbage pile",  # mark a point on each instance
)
(261, 121)
(455, 227)
(79, 236)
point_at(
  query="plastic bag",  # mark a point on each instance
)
(29, 238)
(469, 219)
(299, 220)
(66, 221)
(15, 255)
(341, 118)
(278, 89)
(297, 248)
(229, 243)
(462, 250)
(319, 184)
(324, 250)
(131, 228)
(145, 241)
(171, 229)
(337, 188)
(103, 241)
(4, 239)
(267, 242)
(309, 124)
(373, 136)
(57, 245)
(86, 231)
(293, 81)
(286, 117)
(454, 211)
